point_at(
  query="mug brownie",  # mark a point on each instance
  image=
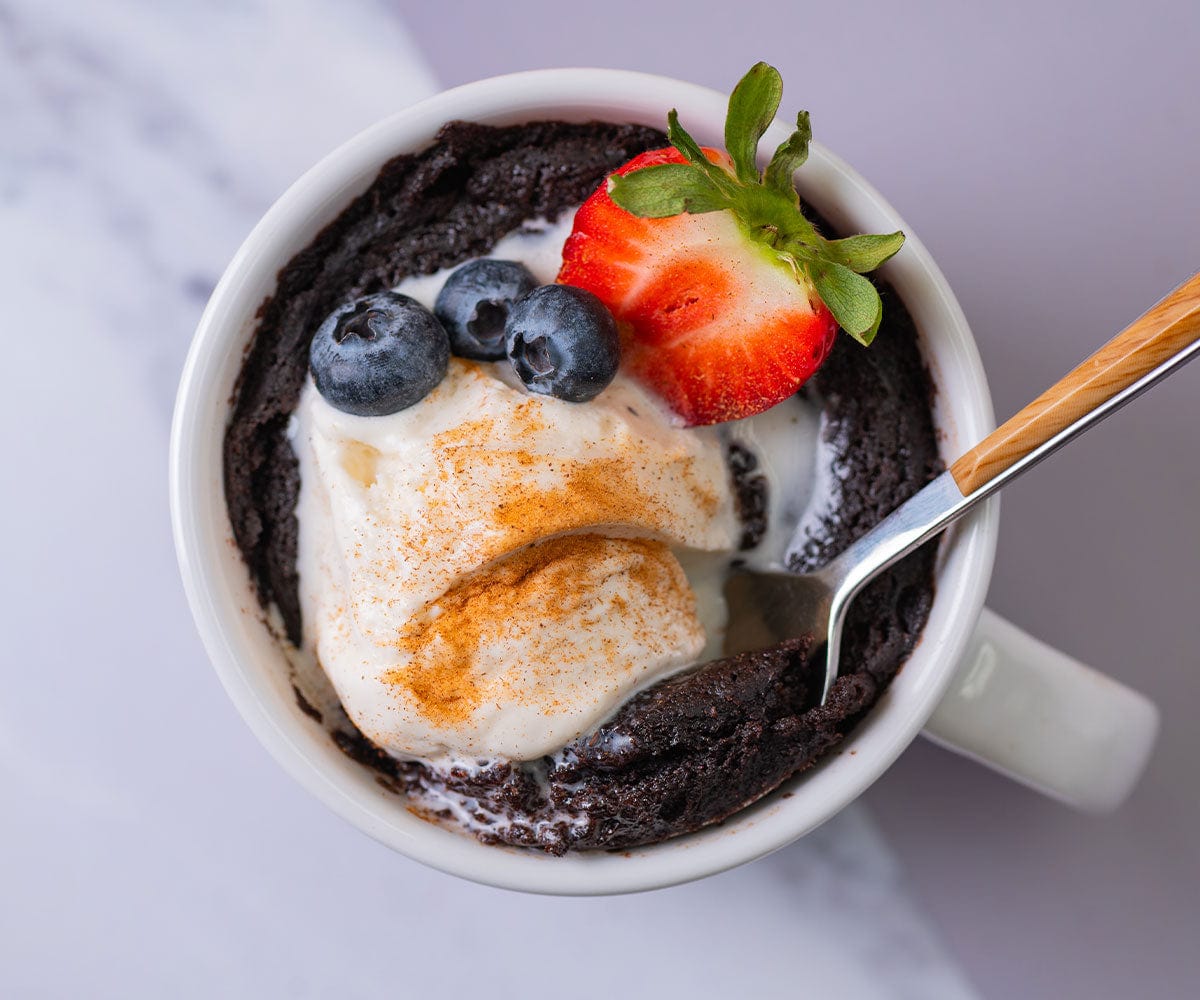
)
(704, 743)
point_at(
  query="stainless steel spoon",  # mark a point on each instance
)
(765, 608)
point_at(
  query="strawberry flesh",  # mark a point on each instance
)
(714, 321)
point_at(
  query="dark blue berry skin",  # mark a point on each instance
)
(378, 354)
(474, 302)
(562, 342)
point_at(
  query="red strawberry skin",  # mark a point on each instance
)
(714, 322)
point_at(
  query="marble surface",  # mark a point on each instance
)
(150, 846)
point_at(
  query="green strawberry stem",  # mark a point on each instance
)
(765, 202)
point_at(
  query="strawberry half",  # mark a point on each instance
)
(713, 321)
(726, 297)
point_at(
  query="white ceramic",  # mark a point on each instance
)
(1012, 703)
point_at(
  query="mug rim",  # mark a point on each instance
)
(231, 623)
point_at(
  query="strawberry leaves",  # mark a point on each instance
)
(765, 203)
(851, 298)
(863, 253)
(789, 158)
(692, 152)
(752, 107)
(667, 189)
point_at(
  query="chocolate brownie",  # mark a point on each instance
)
(696, 747)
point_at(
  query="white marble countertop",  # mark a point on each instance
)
(151, 846)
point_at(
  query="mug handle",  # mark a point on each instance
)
(1044, 719)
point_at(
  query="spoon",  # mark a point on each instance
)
(766, 608)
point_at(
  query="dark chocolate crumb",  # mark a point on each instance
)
(749, 493)
(306, 706)
(693, 749)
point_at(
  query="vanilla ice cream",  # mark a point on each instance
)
(489, 573)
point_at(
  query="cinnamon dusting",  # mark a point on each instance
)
(523, 599)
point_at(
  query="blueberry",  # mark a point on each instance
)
(473, 305)
(378, 354)
(562, 342)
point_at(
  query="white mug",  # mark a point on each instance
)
(974, 682)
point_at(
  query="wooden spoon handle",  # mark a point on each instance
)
(1141, 347)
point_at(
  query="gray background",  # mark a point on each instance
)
(1049, 156)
